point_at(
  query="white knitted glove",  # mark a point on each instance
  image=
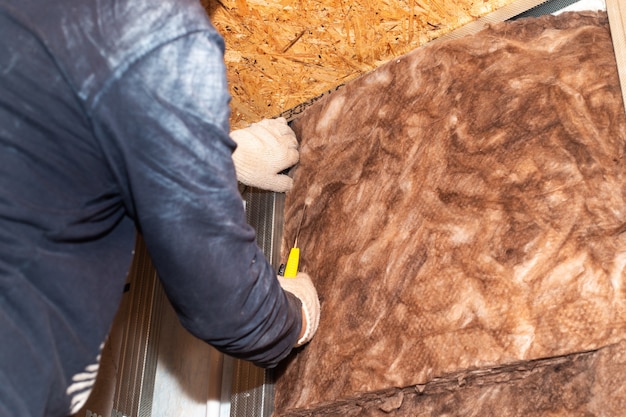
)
(302, 287)
(263, 150)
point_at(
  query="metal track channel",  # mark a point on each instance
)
(252, 391)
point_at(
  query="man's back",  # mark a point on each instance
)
(66, 238)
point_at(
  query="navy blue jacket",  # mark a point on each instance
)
(114, 118)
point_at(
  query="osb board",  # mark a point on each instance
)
(280, 53)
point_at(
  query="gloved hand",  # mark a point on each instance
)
(263, 150)
(302, 287)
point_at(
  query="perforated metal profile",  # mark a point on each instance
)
(264, 211)
(252, 391)
(546, 8)
(138, 358)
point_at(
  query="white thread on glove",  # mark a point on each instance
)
(302, 287)
(263, 150)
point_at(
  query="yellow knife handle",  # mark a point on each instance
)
(291, 269)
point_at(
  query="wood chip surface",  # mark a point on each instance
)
(281, 53)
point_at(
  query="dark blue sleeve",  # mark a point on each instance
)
(163, 125)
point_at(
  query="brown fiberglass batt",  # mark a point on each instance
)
(465, 211)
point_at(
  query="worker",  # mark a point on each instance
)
(114, 118)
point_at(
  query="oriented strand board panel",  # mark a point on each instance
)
(281, 53)
(465, 210)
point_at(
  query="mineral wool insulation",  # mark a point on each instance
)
(465, 219)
